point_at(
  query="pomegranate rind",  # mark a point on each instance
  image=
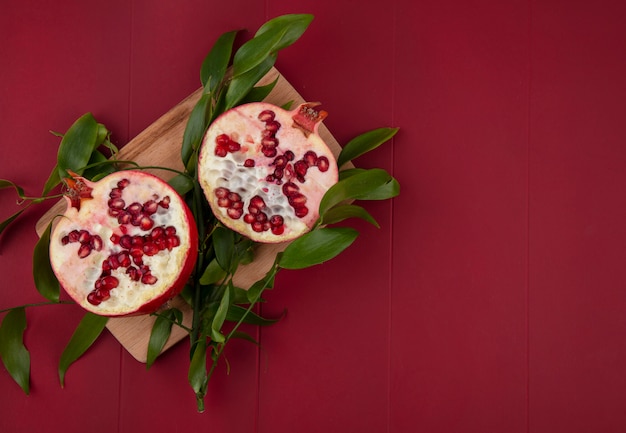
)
(231, 170)
(172, 267)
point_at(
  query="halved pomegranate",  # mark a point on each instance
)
(264, 170)
(125, 245)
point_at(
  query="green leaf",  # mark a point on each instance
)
(343, 212)
(241, 85)
(77, 145)
(45, 280)
(197, 374)
(317, 247)
(196, 125)
(87, 332)
(224, 247)
(267, 282)
(7, 184)
(181, 183)
(259, 93)
(212, 274)
(14, 354)
(365, 143)
(161, 331)
(220, 317)
(354, 187)
(216, 62)
(4, 224)
(237, 313)
(99, 166)
(386, 191)
(274, 35)
(53, 180)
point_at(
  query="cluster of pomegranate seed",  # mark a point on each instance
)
(231, 201)
(133, 250)
(88, 242)
(137, 214)
(281, 168)
(269, 142)
(259, 220)
(296, 199)
(224, 144)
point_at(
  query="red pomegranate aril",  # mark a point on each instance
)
(289, 155)
(133, 273)
(150, 249)
(322, 164)
(272, 126)
(278, 230)
(96, 242)
(223, 202)
(297, 199)
(113, 262)
(123, 183)
(116, 203)
(115, 239)
(165, 202)
(266, 116)
(234, 213)
(233, 146)
(103, 294)
(146, 223)
(249, 163)
(126, 241)
(115, 193)
(172, 242)
(236, 205)
(157, 232)
(124, 218)
(148, 279)
(310, 158)
(221, 151)
(109, 282)
(65, 240)
(233, 196)
(269, 152)
(269, 142)
(84, 250)
(124, 259)
(221, 192)
(249, 218)
(84, 237)
(301, 168)
(150, 207)
(257, 226)
(94, 299)
(170, 231)
(290, 188)
(257, 202)
(301, 211)
(134, 208)
(136, 252)
(276, 220)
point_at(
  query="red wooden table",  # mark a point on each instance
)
(493, 297)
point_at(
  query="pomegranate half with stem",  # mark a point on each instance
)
(264, 170)
(125, 245)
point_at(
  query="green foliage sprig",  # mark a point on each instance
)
(219, 307)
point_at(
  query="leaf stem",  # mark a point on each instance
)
(36, 304)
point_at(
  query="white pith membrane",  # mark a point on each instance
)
(78, 275)
(242, 125)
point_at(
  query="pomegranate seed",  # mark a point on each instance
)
(257, 226)
(236, 205)
(221, 151)
(123, 218)
(113, 262)
(248, 163)
(133, 273)
(84, 237)
(123, 183)
(272, 126)
(261, 217)
(124, 259)
(65, 240)
(116, 203)
(297, 199)
(96, 242)
(150, 207)
(280, 161)
(222, 140)
(276, 220)
(301, 167)
(102, 294)
(322, 164)
(234, 213)
(170, 231)
(233, 196)
(301, 211)
(257, 202)
(146, 223)
(109, 282)
(270, 178)
(221, 192)
(278, 173)
(148, 279)
(269, 142)
(138, 259)
(106, 265)
(115, 193)
(150, 249)
(134, 209)
(266, 116)
(137, 241)
(289, 155)
(161, 243)
(136, 252)
(172, 242)
(278, 230)
(310, 158)
(84, 250)
(233, 146)
(157, 232)
(93, 299)
(290, 188)
(115, 239)
(270, 152)
(249, 218)
(126, 241)
(113, 212)
(223, 202)
(165, 203)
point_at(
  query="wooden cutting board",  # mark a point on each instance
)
(160, 145)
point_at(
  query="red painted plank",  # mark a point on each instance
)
(577, 177)
(458, 342)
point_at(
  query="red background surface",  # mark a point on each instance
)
(492, 298)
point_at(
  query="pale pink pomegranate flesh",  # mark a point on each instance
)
(264, 170)
(125, 245)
